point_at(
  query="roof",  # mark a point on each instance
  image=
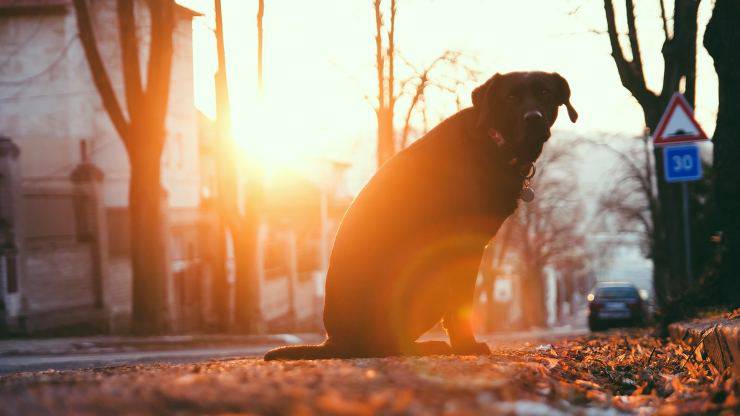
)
(17, 7)
(33, 3)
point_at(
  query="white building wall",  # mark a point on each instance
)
(57, 105)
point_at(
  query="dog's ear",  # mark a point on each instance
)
(564, 96)
(481, 99)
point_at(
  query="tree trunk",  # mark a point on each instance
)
(244, 233)
(143, 135)
(679, 56)
(533, 291)
(721, 41)
(148, 241)
(386, 144)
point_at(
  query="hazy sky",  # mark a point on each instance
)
(319, 63)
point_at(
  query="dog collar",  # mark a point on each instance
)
(496, 136)
(527, 170)
(527, 193)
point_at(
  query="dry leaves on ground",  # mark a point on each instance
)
(616, 371)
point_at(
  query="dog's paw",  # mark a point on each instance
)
(478, 348)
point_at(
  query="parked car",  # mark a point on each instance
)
(615, 304)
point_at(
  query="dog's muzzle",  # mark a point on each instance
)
(535, 126)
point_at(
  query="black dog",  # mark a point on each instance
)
(408, 249)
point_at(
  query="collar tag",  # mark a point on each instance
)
(526, 194)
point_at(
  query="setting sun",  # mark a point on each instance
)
(319, 76)
(310, 106)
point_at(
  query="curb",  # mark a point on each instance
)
(721, 338)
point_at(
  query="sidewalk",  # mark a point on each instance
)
(19, 355)
(117, 344)
(719, 336)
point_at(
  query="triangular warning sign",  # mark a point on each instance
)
(678, 124)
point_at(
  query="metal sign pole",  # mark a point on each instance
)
(686, 231)
(677, 126)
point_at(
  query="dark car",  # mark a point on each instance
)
(613, 304)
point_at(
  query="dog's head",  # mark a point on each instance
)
(522, 106)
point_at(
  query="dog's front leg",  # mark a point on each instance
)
(460, 330)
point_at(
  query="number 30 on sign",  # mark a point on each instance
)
(682, 163)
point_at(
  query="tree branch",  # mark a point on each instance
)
(379, 57)
(260, 35)
(634, 41)
(664, 19)
(160, 59)
(98, 72)
(129, 57)
(391, 54)
(634, 82)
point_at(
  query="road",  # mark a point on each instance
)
(560, 372)
(11, 363)
(91, 361)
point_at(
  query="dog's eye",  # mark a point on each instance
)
(512, 98)
(545, 92)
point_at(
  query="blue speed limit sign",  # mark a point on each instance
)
(681, 163)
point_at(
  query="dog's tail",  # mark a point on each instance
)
(304, 352)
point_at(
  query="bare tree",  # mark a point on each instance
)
(391, 90)
(625, 206)
(448, 73)
(721, 41)
(679, 58)
(546, 231)
(242, 226)
(385, 55)
(260, 39)
(141, 128)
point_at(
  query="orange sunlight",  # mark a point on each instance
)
(301, 118)
(319, 70)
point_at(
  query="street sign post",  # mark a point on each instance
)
(681, 164)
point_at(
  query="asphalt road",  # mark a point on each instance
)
(552, 373)
(41, 362)
(89, 361)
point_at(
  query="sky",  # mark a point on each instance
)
(319, 66)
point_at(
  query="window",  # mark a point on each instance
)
(10, 272)
(616, 292)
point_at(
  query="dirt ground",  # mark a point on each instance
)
(612, 373)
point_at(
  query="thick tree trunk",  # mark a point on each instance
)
(679, 55)
(721, 40)
(143, 135)
(148, 241)
(245, 230)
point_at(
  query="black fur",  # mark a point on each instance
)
(408, 249)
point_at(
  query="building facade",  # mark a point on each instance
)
(64, 233)
(66, 261)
